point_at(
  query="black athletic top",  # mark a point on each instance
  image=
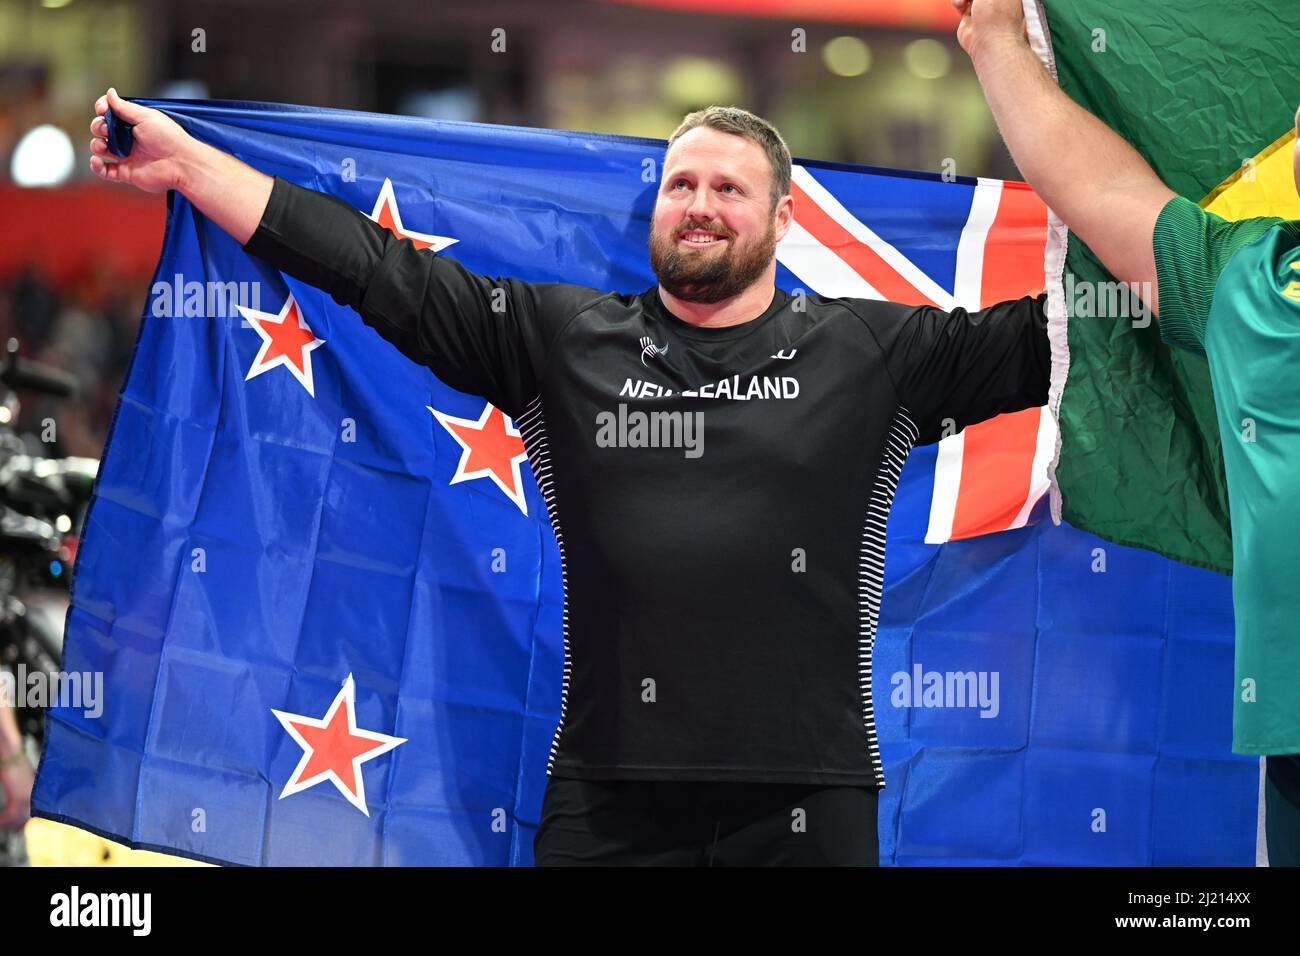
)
(719, 495)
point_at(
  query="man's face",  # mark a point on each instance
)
(714, 232)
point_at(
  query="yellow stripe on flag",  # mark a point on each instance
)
(1263, 186)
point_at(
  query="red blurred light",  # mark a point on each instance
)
(937, 15)
(68, 551)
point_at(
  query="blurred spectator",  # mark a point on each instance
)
(34, 307)
(88, 329)
(16, 778)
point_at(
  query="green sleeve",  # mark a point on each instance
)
(1192, 248)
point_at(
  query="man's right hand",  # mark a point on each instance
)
(229, 192)
(155, 162)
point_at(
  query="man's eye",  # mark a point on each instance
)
(730, 186)
(678, 183)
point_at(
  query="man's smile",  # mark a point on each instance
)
(701, 237)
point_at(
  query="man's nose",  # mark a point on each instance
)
(701, 207)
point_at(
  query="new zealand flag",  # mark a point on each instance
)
(327, 601)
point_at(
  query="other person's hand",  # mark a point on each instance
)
(984, 21)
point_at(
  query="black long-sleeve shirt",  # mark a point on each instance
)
(722, 561)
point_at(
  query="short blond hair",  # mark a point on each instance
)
(739, 122)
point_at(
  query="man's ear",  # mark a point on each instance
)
(784, 216)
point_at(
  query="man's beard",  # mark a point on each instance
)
(700, 276)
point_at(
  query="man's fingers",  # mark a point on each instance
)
(130, 112)
(101, 105)
(105, 170)
(99, 146)
(99, 126)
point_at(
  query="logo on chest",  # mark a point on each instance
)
(1292, 291)
(650, 350)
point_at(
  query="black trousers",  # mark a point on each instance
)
(1282, 809)
(656, 823)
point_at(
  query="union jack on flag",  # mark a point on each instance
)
(989, 476)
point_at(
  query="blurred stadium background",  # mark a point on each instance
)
(877, 82)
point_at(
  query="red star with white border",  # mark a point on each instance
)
(334, 749)
(385, 213)
(287, 341)
(492, 447)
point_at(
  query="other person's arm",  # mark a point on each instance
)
(1102, 189)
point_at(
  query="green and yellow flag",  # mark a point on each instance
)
(1207, 92)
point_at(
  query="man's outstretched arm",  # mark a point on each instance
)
(484, 335)
(1100, 186)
